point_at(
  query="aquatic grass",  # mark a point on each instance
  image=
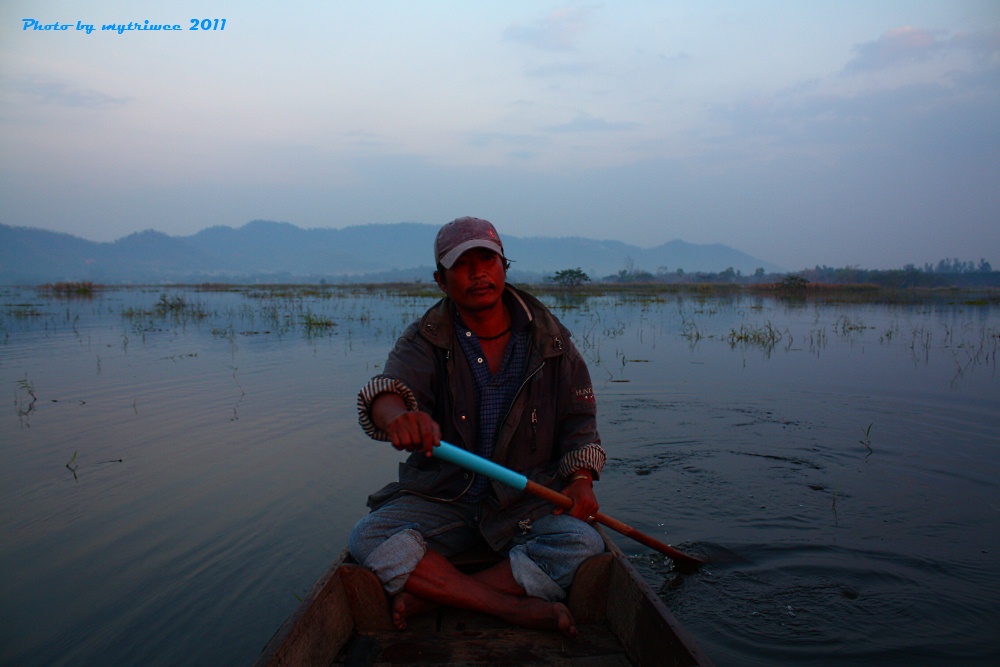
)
(73, 466)
(577, 296)
(176, 308)
(836, 519)
(25, 390)
(921, 337)
(689, 329)
(166, 304)
(817, 339)
(315, 324)
(846, 326)
(589, 344)
(867, 439)
(228, 332)
(968, 353)
(243, 393)
(889, 333)
(23, 311)
(71, 289)
(317, 310)
(181, 356)
(765, 337)
(614, 331)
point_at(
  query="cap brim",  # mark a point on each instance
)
(452, 255)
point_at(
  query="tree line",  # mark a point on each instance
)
(946, 273)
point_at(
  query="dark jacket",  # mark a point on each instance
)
(549, 432)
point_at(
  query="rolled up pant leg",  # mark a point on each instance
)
(391, 540)
(545, 558)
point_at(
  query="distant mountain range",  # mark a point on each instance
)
(264, 251)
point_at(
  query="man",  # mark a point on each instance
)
(490, 369)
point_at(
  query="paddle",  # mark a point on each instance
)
(465, 459)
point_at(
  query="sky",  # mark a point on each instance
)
(805, 133)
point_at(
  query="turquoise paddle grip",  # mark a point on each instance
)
(478, 464)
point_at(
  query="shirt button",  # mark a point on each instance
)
(468, 334)
(480, 360)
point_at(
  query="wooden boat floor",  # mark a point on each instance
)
(454, 637)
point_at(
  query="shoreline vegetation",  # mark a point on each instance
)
(791, 287)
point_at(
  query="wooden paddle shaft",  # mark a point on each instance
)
(516, 480)
(565, 502)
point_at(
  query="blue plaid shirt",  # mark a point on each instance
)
(494, 393)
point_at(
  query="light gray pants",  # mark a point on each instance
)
(391, 540)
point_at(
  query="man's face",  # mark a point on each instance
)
(475, 281)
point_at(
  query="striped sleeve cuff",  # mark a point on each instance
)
(590, 457)
(381, 384)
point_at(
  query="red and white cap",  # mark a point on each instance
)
(464, 234)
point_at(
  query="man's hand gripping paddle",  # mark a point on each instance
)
(470, 461)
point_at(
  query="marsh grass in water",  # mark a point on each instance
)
(316, 324)
(73, 465)
(867, 439)
(176, 307)
(25, 391)
(766, 336)
(72, 289)
(23, 311)
(846, 326)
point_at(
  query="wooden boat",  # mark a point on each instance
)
(346, 620)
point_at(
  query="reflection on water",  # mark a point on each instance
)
(178, 465)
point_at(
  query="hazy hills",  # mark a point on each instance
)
(281, 252)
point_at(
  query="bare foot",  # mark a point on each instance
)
(564, 620)
(405, 605)
(435, 580)
(537, 613)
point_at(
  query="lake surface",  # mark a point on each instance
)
(178, 465)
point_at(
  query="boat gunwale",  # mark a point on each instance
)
(330, 615)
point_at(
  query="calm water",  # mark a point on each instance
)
(176, 466)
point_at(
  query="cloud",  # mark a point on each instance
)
(365, 139)
(556, 32)
(62, 94)
(909, 90)
(561, 69)
(587, 123)
(506, 138)
(908, 45)
(899, 45)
